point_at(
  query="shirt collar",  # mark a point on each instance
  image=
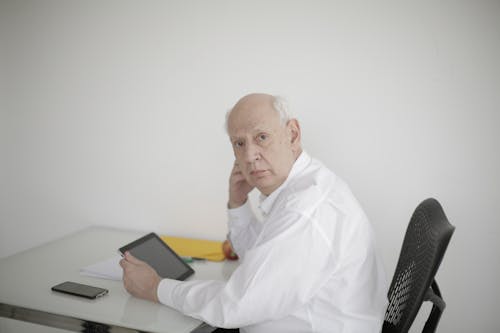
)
(266, 202)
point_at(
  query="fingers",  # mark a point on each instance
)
(139, 279)
(236, 169)
(129, 261)
(131, 266)
(133, 260)
(239, 187)
(236, 174)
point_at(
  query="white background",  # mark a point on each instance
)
(112, 114)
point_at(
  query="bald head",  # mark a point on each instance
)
(254, 101)
(261, 101)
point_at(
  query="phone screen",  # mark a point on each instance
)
(79, 289)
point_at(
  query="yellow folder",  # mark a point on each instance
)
(196, 248)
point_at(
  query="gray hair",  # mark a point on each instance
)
(280, 105)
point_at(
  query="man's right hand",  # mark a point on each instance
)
(238, 188)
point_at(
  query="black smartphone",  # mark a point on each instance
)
(79, 289)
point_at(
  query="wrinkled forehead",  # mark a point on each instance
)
(245, 121)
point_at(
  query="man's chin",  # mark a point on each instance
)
(265, 188)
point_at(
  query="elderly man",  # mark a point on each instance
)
(309, 266)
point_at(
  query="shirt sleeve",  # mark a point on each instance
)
(274, 279)
(243, 228)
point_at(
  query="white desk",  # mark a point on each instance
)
(26, 279)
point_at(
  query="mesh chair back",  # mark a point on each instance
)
(424, 245)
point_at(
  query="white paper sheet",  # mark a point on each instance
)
(107, 269)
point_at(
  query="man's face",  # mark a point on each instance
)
(264, 149)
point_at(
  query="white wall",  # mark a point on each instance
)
(112, 114)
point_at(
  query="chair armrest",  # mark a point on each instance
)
(438, 304)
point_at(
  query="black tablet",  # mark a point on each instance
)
(160, 256)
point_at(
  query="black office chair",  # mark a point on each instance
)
(424, 245)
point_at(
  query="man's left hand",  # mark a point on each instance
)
(139, 279)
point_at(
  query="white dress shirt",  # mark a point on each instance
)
(309, 266)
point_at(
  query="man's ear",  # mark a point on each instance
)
(294, 132)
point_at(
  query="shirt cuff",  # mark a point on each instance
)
(241, 214)
(165, 291)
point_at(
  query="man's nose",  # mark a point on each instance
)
(252, 153)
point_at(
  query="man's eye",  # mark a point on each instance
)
(262, 137)
(238, 144)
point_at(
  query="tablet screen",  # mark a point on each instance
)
(160, 256)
